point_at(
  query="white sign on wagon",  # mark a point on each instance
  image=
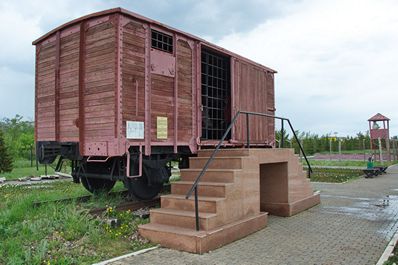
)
(135, 130)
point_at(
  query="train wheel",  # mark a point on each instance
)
(140, 188)
(94, 185)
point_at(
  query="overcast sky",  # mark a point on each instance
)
(336, 60)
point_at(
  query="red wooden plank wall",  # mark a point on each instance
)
(45, 96)
(162, 98)
(253, 88)
(99, 85)
(99, 92)
(184, 71)
(133, 73)
(69, 87)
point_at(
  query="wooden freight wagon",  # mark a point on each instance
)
(121, 95)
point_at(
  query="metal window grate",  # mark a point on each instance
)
(215, 94)
(162, 41)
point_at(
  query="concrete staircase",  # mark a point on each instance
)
(237, 184)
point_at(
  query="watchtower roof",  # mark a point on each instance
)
(378, 117)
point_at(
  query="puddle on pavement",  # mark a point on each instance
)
(345, 197)
(368, 209)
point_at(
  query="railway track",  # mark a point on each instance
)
(79, 199)
(133, 205)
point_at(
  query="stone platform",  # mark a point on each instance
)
(349, 227)
(235, 194)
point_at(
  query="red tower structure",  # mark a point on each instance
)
(379, 132)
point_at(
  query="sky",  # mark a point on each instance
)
(336, 60)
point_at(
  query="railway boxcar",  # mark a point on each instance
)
(120, 95)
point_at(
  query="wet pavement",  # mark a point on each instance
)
(353, 225)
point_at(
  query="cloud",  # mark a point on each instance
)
(23, 21)
(210, 19)
(336, 62)
(17, 94)
(336, 59)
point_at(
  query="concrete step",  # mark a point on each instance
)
(185, 219)
(211, 175)
(211, 189)
(202, 241)
(171, 236)
(178, 202)
(224, 152)
(217, 163)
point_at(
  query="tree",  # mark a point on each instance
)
(278, 137)
(5, 158)
(18, 136)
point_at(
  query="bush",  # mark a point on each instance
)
(5, 158)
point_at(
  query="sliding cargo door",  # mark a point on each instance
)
(216, 94)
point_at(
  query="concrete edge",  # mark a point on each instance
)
(334, 183)
(305, 204)
(288, 209)
(389, 249)
(126, 256)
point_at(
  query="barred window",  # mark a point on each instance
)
(162, 41)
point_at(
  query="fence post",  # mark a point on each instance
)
(282, 134)
(31, 155)
(339, 149)
(380, 151)
(364, 149)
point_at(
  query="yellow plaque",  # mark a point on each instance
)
(161, 127)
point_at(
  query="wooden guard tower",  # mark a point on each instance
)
(379, 132)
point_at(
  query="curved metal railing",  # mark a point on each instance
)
(194, 187)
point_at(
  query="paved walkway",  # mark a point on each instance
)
(349, 227)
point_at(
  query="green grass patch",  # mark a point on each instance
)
(335, 175)
(62, 233)
(26, 172)
(347, 163)
(367, 151)
(22, 168)
(393, 259)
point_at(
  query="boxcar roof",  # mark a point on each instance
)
(148, 20)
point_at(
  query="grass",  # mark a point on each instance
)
(338, 175)
(367, 151)
(62, 233)
(392, 260)
(347, 163)
(335, 175)
(22, 168)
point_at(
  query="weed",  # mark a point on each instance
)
(61, 233)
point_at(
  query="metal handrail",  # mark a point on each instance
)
(194, 187)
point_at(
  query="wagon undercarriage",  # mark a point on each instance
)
(99, 174)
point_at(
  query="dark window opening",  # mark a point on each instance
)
(216, 90)
(162, 41)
